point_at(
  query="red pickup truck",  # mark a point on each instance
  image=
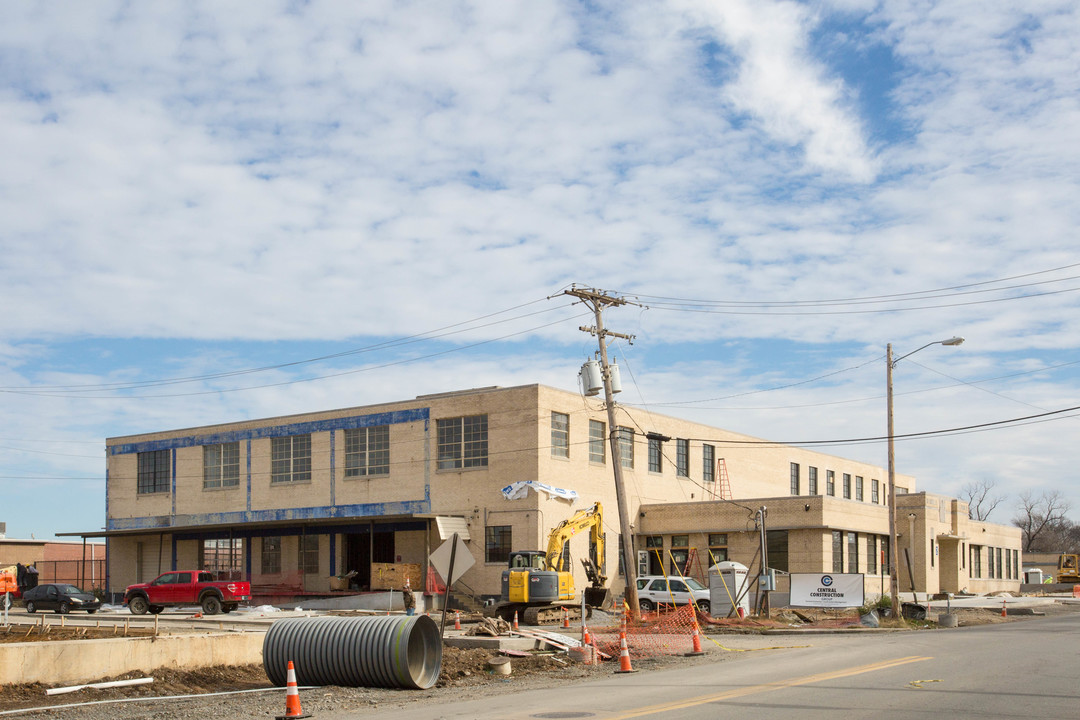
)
(187, 587)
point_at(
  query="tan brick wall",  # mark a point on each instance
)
(519, 442)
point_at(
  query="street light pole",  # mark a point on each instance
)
(894, 585)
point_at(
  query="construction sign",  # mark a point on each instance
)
(831, 590)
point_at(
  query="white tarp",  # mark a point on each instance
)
(518, 490)
(827, 590)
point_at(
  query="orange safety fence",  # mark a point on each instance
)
(659, 633)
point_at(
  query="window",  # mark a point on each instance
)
(654, 546)
(858, 488)
(224, 557)
(830, 482)
(932, 552)
(1000, 572)
(154, 471)
(853, 552)
(875, 491)
(271, 555)
(976, 560)
(463, 442)
(837, 551)
(871, 554)
(497, 543)
(811, 480)
(717, 548)
(221, 465)
(794, 478)
(367, 451)
(308, 559)
(560, 435)
(290, 459)
(597, 454)
(680, 555)
(656, 452)
(990, 563)
(682, 457)
(847, 486)
(885, 560)
(776, 545)
(626, 447)
(708, 463)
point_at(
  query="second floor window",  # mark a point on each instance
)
(155, 471)
(626, 447)
(656, 453)
(290, 459)
(367, 451)
(463, 442)
(221, 465)
(811, 480)
(596, 441)
(560, 434)
(682, 457)
(794, 478)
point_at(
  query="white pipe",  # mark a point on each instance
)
(99, 686)
(149, 698)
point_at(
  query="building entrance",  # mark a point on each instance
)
(362, 549)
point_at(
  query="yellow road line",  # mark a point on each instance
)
(767, 687)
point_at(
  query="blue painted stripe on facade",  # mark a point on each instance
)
(291, 530)
(173, 480)
(344, 423)
(333, 475)
(249, 476)
(324, 512)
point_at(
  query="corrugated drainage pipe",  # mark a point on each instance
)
(380, 651)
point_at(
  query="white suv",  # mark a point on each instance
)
(655, 590)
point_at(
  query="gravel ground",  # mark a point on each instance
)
(464, 676)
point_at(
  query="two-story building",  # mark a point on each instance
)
(290, 502)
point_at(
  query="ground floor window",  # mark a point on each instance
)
(853, 552)
(224, 557)
(871, 554)
(497, 543)
(776, 544)
(837, 551)
(717, 548)
(654, 546)
(271, 555)
(308, 560)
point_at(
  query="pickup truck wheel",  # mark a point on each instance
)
(211, 605)
(30, 606)
(156, 609)
(138, 605)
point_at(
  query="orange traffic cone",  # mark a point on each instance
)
(515, 620)
(1003, 613)
(457, 620)
(585, 639)
(565, 619)
(697, 643)
(624, 655)
(292, 697)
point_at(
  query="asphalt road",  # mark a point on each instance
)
(1027, 669)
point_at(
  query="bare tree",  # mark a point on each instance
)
(1042, 520)
(981, 499)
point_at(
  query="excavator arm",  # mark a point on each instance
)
(591, 519)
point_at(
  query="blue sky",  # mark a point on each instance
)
(192, 191)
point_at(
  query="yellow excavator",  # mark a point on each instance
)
(1068, 568)
(540, 586)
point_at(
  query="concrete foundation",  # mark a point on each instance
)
(82, 661)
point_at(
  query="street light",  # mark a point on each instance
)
(889, 365)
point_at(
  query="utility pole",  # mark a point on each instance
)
(598, 300)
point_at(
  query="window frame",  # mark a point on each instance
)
(598, 442)
(307, 557)
(830, 483)
(656, 454)
(462, 442)
(495, 537)
(811, 480)
(367, 451)
(626, 442)
(795, 479)
(153, 472)
(270, 555)
(682, 457)
(708, 463)
(219, 469)
(292, 464)
(560, 434)
(847, 486)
